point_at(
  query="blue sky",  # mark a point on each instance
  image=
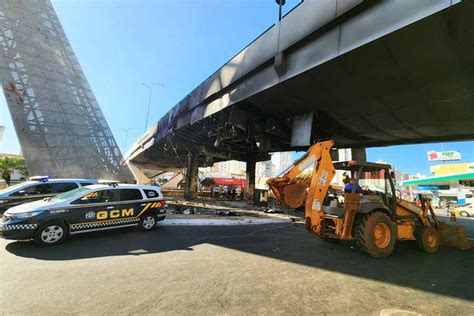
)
(122, 43)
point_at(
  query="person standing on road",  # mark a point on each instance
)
(228, 192)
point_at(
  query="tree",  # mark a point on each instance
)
(10, 164)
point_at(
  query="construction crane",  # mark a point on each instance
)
(375, 219)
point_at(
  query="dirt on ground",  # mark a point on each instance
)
(207, 208)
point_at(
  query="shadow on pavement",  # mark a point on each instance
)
(447, 272)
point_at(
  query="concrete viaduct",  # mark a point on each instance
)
(364, 73)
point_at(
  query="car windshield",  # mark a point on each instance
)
(70, 194)
(12, 188)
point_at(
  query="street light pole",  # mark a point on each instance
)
(126, 130)
(280, 3)
(150, 89)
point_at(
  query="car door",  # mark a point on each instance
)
(92, 211)
(131, 204)
(28, 194)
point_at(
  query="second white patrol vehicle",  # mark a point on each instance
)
(37, 188)
(90, 208)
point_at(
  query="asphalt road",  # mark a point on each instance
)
(264, 269)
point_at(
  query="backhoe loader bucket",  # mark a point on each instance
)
(453, 236)
(290, 194)
(295, 194)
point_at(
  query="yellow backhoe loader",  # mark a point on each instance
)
(369, 212)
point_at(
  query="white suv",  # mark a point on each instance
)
(38, 188)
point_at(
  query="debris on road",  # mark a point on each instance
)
(273, 211)
(229, 213)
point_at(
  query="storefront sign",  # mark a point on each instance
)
(444, 155)
(432, 187)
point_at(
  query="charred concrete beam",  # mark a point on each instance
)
(231, 155)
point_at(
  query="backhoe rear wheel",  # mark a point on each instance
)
(375, 234)
(427, 238)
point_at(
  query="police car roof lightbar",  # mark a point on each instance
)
(40, 178)
(113, 183)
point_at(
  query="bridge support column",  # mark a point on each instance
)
(359, 154)
(250, 179)
(190, 185)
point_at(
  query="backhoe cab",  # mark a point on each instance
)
(369, 212)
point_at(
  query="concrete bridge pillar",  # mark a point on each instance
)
(359, 154)
(190, 185)
(250, 179)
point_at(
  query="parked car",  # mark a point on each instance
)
(90, 208)
(38, 188)
(465, 211)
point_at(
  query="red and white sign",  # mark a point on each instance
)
(444, 155)
(229, 181)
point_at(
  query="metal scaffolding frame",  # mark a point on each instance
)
(60, 126)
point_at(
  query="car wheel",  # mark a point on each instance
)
(464, 213)
(148, 222)
(51, 233)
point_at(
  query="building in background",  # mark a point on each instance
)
(2, 130)
(452, 182)
(281, 161)
(236, 169)
(231, 167)
(452, 168)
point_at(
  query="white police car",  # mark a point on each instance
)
(90, 208)
(38, 188)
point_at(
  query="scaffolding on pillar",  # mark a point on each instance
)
(60, 126)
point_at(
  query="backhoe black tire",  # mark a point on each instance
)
(375, 234)
(427, 238)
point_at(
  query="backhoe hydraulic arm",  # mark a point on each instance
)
(323, 173)
(291, 187)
